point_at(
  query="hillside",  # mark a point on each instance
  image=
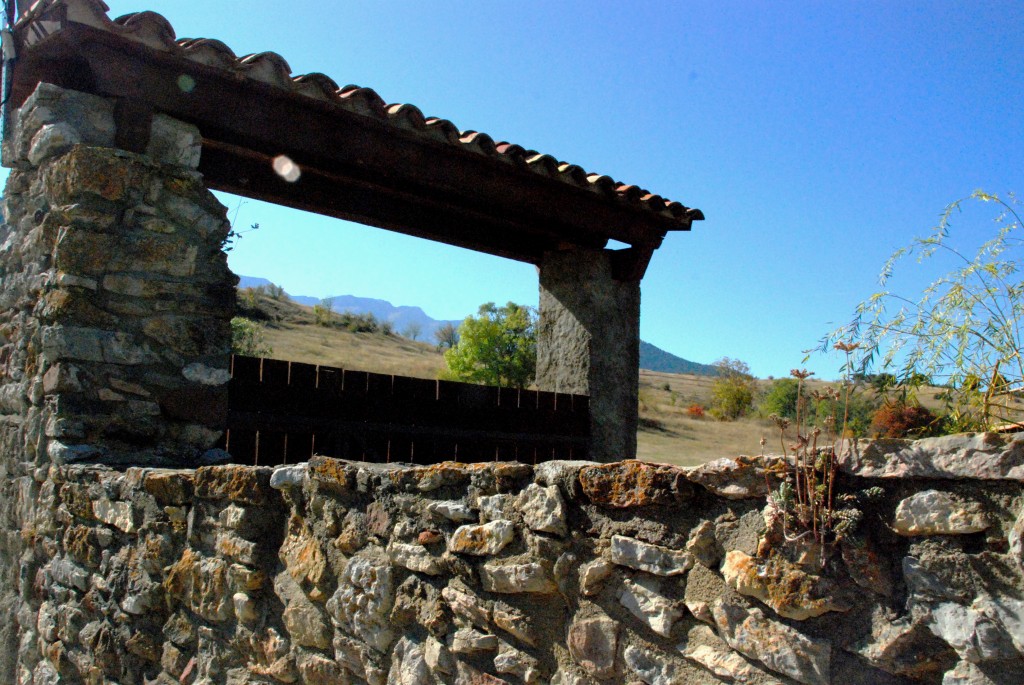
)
(404, 318)
(668, 434)
(656, 359)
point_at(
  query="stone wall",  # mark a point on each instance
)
(116, 301)
(564, 572)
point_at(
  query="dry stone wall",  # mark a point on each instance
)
(122, 566)
(565, 572)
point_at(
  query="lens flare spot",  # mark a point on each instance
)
(186, 83)
(287, 169)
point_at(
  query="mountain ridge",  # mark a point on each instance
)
(402, 317)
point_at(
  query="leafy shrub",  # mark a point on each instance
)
(247, 338)
(732, 392)
(496, 347)
(695, 411)
(901, 420)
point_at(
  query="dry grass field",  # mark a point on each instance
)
(668, 433)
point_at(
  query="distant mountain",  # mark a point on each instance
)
(656, 359)
(401, 317)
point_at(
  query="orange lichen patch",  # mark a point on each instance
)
(335, 474)
(302, 555)
(241, 484)
(104, 172)
(170, 487)
(431, 477)
(202, 584)
(634, 484)
(77, 499)
(82, 545)
(782, 585)
(510, 475)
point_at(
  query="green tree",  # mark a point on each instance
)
(247, 338)
(323, 313)
(496, 347)
(964, 329)
(780, 398)
(732, 391)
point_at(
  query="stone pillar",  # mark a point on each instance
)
(116, 301)
(588, 342)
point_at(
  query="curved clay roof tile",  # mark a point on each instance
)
(148, 28)
(316, 85)
(362, 101)
(268, 67)
(600, 183)
(442, 129)
(480, 143)
(209, 52)
(406, 116)
(545, 164)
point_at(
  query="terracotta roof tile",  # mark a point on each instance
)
(154, 31)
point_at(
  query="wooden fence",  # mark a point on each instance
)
(284, 412)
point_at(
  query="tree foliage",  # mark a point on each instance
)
(247, 338)
(964, 329)
(446, 336)
(496, 347)
(732, 391)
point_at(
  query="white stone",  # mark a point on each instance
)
(516, 578)
(362, 603)
(981, 456)
(287, 477)
(453, 511)
(117, 514)
(494, 507)
(470, 641)
(543, 509)
(938, 513)
(511, 661)
(409, 665)
(415, 558)
(592, 576)
(644, 556)
(52, 140)
(644, 600)
(724, 663)
(485, 540)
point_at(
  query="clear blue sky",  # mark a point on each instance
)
(815, 136)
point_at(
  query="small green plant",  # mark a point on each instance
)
(323, 313)
(804, 504)
(247, 338)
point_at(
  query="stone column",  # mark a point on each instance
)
(588, 342)
(116, 301)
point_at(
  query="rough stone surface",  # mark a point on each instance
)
(740, 478)
(984, 456)
(593, 644)
(643, 598)
(588, 342)
(783, 586)
(485, 540)
(644, 556)
(779, 647)
(933, 512)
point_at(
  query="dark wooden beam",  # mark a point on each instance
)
(354, 166)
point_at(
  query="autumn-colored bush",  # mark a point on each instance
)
(896, 419)
(695, 411)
